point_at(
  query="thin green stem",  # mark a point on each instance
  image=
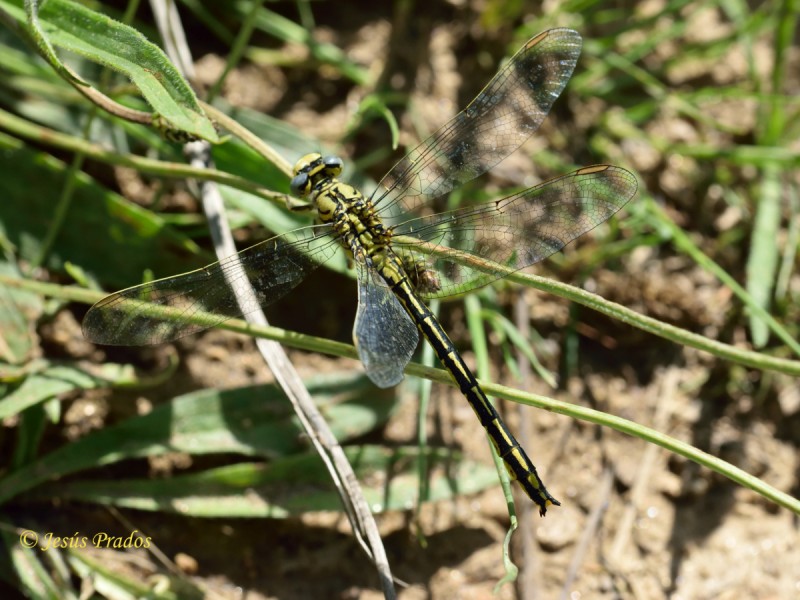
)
(685, 244)
(249, 138)
(650, 435)
(472, 306)
(617, 311)
(306, 342)
(50, 137)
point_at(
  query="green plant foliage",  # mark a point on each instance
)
(103, 223)
(103, 40)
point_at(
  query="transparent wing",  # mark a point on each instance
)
(516, 231)
(166, 309)
(507, 112)
(384, 334)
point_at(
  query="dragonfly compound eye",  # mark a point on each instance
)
(333, 165)
(300, 184)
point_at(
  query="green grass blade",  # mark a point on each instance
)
(26, 559)
(288, 486)
(244, 421)
(46, 384)
(762, 262)
(17, 345)
(685, 244)
(792, 247)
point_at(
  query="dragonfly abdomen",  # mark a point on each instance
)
(517, 463)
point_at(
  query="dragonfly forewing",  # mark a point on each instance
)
(516, 231)
(384, 334)
(502, 116)
(171, 308)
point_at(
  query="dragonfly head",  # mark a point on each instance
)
(311, 169)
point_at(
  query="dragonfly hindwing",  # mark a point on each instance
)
(384, 334)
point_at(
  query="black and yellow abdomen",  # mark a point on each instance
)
(519, 466)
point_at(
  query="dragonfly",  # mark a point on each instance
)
(404, 252)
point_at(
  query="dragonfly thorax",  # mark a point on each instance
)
(344, 207)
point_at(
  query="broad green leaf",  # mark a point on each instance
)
(103, 40)
(290, 486)
(235, 157)
(250, 421)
